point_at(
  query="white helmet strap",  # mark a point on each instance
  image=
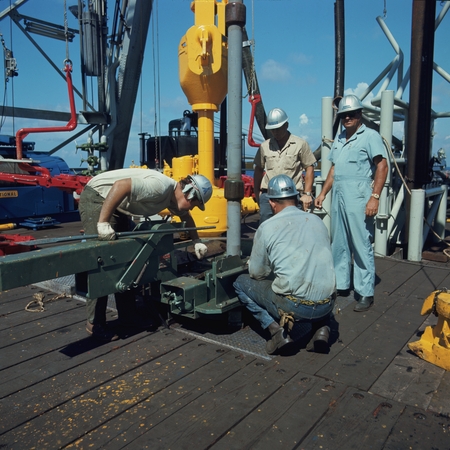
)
(190, 190)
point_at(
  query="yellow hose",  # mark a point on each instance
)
(7, 226)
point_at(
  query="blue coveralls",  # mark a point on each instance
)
(351, 230)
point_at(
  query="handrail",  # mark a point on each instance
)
(253, 99)
(71, 125)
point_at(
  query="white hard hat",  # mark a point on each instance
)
(281, 186)
(276, 118)
(349, 103)
(202, 187)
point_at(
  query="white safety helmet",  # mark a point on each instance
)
(276, 118)
(281, 186)
(202, 187)
(349, 103)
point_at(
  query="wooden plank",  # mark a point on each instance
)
(385, 265)
(445, 284)
(53, 304)
(423, 283)
(390, 280)
(419, 429)
(358, 420)
(127, 428)
(39, 337)
(203, 421)
(284, 418)
(409, 379)
(19, 377)
(440, 402)
(82, 413)
(374, 349)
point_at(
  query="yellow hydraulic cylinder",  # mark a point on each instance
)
(206, 144)
(434, 344)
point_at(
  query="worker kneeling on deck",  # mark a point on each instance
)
(291, 278)
(106, 205)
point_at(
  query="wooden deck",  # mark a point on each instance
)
(183, 388)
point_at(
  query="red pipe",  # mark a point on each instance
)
(253, 99)
(71, 125)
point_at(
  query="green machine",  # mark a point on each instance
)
(138, 258)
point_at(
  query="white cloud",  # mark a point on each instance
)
(302, 59)
(303, 120)
(275, 71)
(359, 91)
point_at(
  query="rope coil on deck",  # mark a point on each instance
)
(38, 301)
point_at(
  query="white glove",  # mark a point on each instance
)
(200, 249)
(105, 231)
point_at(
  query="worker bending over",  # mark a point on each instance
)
(106, 205)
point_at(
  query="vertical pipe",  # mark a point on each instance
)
(223, 138)
(234, 187)
(419, 115)
(142, 142)
(419, 129)
(386, 127)
(339, 47)
(415, 229)
(325, 163)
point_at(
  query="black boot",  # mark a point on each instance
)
(279, 339)
(364, 303)
(320, 340)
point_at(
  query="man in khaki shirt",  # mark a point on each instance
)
(285, 154)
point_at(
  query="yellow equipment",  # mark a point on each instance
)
(215, 212)
(434, 344)
(203, 67)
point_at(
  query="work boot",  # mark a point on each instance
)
(320, 340)
(278, 340)
(364, 303)
(100, 332)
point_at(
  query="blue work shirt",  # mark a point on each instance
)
(354, 158)
(293, 247)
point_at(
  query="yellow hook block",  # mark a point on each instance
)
(434, 344)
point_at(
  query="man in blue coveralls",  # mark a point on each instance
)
(291, 276)
(357, 175)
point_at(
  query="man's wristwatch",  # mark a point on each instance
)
(307, 193)
(375, 195)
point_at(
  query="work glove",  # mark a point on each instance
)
(105, 231)
(200, 249)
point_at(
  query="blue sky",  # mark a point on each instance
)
(294, 61)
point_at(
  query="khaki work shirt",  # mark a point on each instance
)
(291, 160)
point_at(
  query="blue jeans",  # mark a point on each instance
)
(258, 297)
